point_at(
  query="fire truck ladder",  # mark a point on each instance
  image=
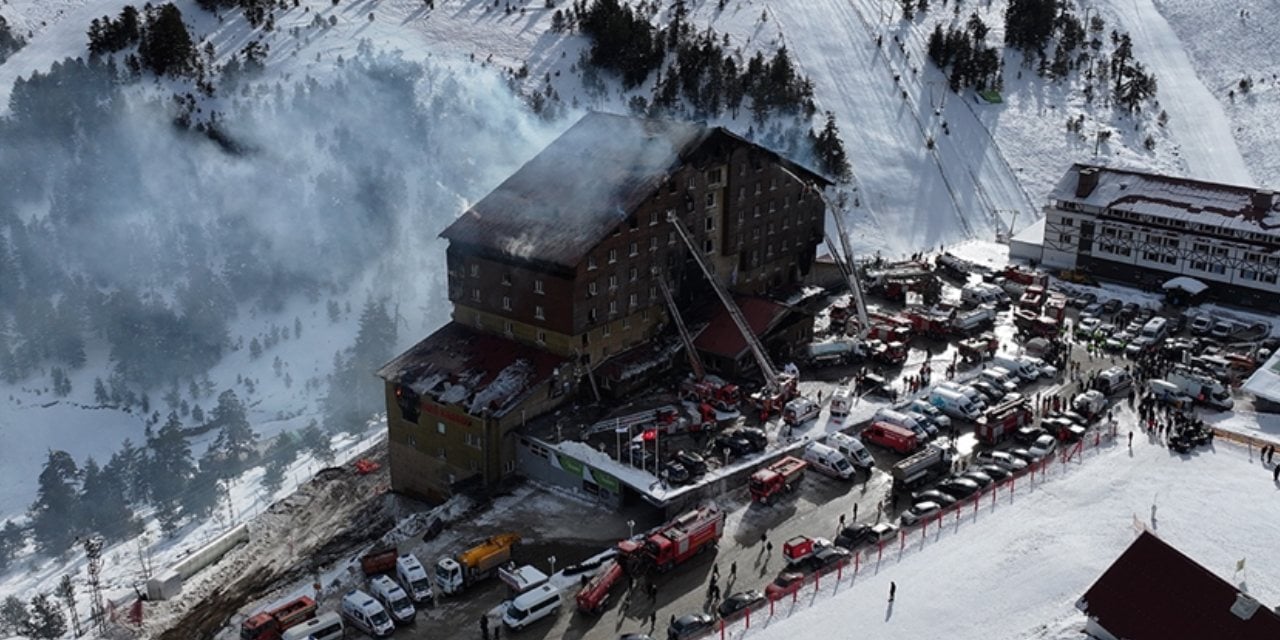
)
(757, 350)
(695, 361)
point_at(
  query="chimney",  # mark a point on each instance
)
(1262, 200)
(1088, 181)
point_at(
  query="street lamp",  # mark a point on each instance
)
(631, 528)
(552, 560)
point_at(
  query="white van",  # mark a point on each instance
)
(531, 606)
(1001, 377)
(954, 404)
(800, 410)
(1113, 381)
(829, 461)
(983, 293)
(1020, 367)
(393, 598)
(965, 390)
(326, 626)
(852, 448)
(900, 419)
(922, 406)
(366, 614)
(1155, 328)
(1167, 392)
(413, 577)
(841, 402)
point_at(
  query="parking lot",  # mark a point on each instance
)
(822, 504)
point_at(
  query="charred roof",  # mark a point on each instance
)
(576, 191)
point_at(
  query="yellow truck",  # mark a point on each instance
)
(481, 560)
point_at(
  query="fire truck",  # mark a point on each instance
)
(270, 624)
(978, 348)
(1024, 277)
(1003, 419)
(594, 596)
(711, 390)
(673, 543)
(778, 477)
(892, 353)
(934, 323)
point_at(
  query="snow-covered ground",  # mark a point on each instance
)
(1016, 568)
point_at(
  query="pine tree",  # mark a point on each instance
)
(317, 443)
(67, 593)
(47, 622)
(166, 47)
(129, 467)
(830, 150)
(106, 511)
(12, 539)
(236, 444)
(169, 471)
(15, 618)
(100, 394)
(255, 349)
(55, 515)
(202, 495)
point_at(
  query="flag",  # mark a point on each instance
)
(1240, 565)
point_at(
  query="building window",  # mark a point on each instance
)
(635, 249)
(537, 287)
(613, 282)
(591, 263)
(507, 328)
(757, 187)
(742, 193)
(786, 201)
(653, 243)
(709, 246)
(691, 183)
(626, 323)
(606, 331)
(633, 300)
(613, 256)
(755, 211)
(537, 313)
(653, 293)
(715, 176)
(442, 453)
(440, 428)
(710, 199)
(773, 183)
(773, 205)
(591, 315)
(770, 228)
(634, 274)
(475, 295)
(542, 337)
(671, 237)
(475, 271)
(755, 233)
(613, 307)
(474, 441)
(506, 303)
(711, 223)
(653, 218)
(617, 231)
(506, 279)
(591, 289)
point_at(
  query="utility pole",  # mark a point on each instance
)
(97, 612)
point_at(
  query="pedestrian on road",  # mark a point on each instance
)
(715, 573)
(497, 632)
(733, 569)
(842, 521)
(712, 587)
(1131, 439)
(715, 593)
(768, 549)
(1275, 473)
(855, 512)
(653, 591)
(484, 626)
(893, 590)
(653, 619)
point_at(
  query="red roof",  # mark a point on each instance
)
(722, 338)
(1154, 592)
(482, 373)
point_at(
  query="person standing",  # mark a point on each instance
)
(484, 626)
(1275, 473)
(733, 570)
(893, 590)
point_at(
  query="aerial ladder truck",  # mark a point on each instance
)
(706, 391)
(779, 387)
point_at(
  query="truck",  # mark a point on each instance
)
(800, 548)
(978, 348)
(891, 436)
(594, 596)
(1089, 404)
(841, 402)
(722, 395)
(932, 322)
(974, 320)
(920, 466)
(827, 460)
(1202, 388)
(271, 623)
(1003, 419)
(832, 353)
(381, 560)
(675, 542)
(780, 476)
(954, 404)
(477, 562)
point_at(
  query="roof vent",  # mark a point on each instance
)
(1262, 200)
(1244, 606)
(1088, 181)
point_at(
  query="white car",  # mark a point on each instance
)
(883, 532)
(1002, 458)
(1043, 446)
(919, 511)
(1087, 326)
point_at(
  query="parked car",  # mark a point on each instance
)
(1087, 326)
(994, 470)
(1085, 299)
(1043, 446)
(1221, 330)
(1200, 325)
(828, 557)
(784, 585)
(979, 477)
(961, 488)
(675, 473)
(1177, 323)
(933, 495)
(1002, 458)
(882, 532)
(1128, 311)
(851, 537)
(919, 511)
(1022, 454)
(1027, 434)
(690, 625)
(736, 604)
(694, 463)
(757, 437)
(989, 391)
(1111, 306)
(1092, 310)
(737, 446)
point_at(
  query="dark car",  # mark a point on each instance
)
(1027, 434)
(1177, 323)
(737, 445)
(961, 488)
(992, 393)
(874, 384)
(1024, 454)
(694, 463)
(784, 585)
(690, 625)
(638, 456)
(996, 471)
(851, 537)
(1085, 299)
(829, 557)
(675, 473)
(737, 603)
(979, 477)
(757, 437)
(1111, 306)
(933, 495)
